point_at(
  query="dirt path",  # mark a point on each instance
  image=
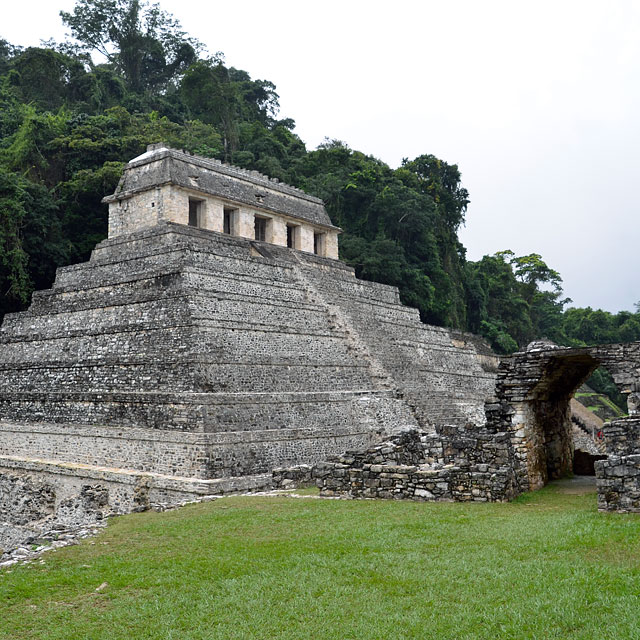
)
(578, 485)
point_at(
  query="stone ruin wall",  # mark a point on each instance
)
(333, 363)
(456, 464)
(533, 391)
(618, 476)
(171, 204)
(532, 401)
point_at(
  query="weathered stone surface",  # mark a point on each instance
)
(161, 165)
(24, 498)
(618, 477)
(528, 438)
(293, 477)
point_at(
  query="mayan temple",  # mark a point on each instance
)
(215, 343)
(214, 336)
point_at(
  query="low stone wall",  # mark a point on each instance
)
(32, 504)
(404, 482)
(452, 465)
(385, 481)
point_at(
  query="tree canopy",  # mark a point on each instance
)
(143, 43)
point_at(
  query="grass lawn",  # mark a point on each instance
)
(545, 566)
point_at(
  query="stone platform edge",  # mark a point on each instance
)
(83, 473)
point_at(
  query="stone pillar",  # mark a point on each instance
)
(331, 245)
(278, 232)
(306, 238)
(213, 215)
(115, 218)
(245, 224)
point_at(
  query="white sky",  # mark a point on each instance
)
(537, 102)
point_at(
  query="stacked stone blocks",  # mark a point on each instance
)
(454, 464)
(618, 477)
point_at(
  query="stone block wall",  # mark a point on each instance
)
(39, 497)
(618, 477)
(227, 451)
(471, 468)
(191, 312)
(133, 214)
(622, 437)
(618, 481)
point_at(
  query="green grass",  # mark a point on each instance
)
(545, 566)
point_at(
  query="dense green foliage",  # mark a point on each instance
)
(68, 123)
(548, 565)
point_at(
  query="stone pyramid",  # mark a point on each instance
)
(203, 359)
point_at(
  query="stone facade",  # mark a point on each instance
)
(177, 351)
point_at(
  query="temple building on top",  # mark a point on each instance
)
(166, 185)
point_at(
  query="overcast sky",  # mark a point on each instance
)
(536, 102)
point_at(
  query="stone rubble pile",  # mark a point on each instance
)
(34, 546)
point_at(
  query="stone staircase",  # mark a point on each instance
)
(441, 375)
(587, 424)
(340, 321)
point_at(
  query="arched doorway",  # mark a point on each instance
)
(550, 432)
(533, 393)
